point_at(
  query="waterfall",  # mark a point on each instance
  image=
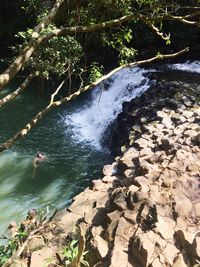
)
(89, 122)
(189, 66)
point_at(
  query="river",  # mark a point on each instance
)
(70, 137)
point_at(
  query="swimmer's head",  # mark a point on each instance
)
(40, 155)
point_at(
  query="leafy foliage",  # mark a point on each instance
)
(54, 57)
(95, 72)
(71, 253)
(6, 251)
(36, 6)
(29, 4)
(78, 53)
(127, 55)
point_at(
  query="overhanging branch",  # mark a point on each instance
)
(27, 52)
(18, 91)
(32, 45)
(23, 132)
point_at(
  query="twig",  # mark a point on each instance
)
(55, 93)
(19, 90)
(53, 215)
(164, 36)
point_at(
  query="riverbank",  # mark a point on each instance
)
(147, 213)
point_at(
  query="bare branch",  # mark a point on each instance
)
(168, 17)
(56, 92)
(44, 112)
(188, 7)
(163, 36)
(18, 91)
(192, 15)
(182, 19)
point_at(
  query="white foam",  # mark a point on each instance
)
(189, 66)
(89, 122)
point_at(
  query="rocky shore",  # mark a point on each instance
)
(145, 210)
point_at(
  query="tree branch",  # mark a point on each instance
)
(182, 19)
(169, 17)
(49, 17)
(192, 15)
(163, 36)
(32, 45)
(18, 91)
(56, 92)
(26, 53)
(23, 132)
(94, 27)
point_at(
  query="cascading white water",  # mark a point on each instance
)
(90, 121)
(190, 66)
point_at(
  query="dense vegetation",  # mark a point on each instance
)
(155, 26)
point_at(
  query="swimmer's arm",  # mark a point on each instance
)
(35, 162)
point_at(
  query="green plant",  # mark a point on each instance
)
(70, 254)
(126, 55)
(95, 72)
(56, 56)
(7, 250)
(50, 260)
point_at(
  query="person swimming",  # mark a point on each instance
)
(37, 160)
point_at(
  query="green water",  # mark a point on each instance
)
(69, 167)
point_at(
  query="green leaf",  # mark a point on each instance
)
(73, 243)
(168, 42)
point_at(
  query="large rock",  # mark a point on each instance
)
(120, 255)
(100, 245)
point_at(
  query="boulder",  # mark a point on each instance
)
(179, 261)
(142, 248)
(165, 227)
(39, 257)
(119, 201)
(123, 234)
(100, 245)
